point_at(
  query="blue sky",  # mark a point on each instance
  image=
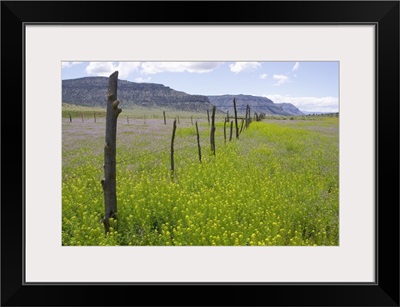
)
(310, 86)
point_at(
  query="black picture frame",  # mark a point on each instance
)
(383, 14)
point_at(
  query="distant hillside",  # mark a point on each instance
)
(288, 107)
(92, 91)
(257, 104)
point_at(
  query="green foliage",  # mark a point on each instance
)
(277, 186)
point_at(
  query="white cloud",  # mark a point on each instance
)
(140, 79)
(69, 64)
(263, 76)
(244, 66)
(280, 79)
(308, 104)
(126, 68)
(192, 67)
(105, 69)
(296, 66)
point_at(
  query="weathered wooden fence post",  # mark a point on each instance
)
(230, 135)
(94, 115)
(172, 149)
(236, 121)
(208, 116)
(212, 133)
(82, 117)
(109, 181)
(165, 121)
(198, 141)
(70, 118)
(225, 120)
(144, 119)
(241, 126)
(248, 116)
(227, 115)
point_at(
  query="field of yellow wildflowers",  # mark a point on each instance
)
(276, 186)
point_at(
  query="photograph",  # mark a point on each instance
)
(200, 153)
(242, 153)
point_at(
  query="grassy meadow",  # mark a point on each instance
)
(275, 186)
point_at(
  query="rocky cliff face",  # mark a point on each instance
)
(92, 91)
(257, 104)
(288, 107)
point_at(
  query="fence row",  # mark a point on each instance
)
(108, 183)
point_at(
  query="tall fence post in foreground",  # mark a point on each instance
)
(109, 181)
(172, 149)
(236, 121)
(198, 141)
(165, 121)
(212, 133)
